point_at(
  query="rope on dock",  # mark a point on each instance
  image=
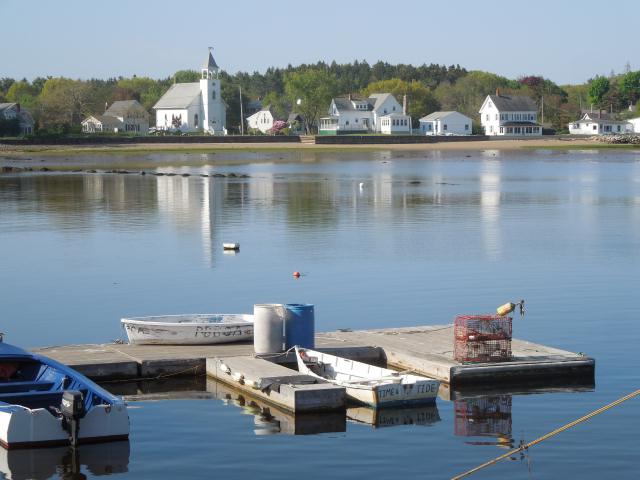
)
(525, 446)
(195, 369)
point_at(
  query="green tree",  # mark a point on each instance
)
(64, 103)
(598, 89)
(22, 92)
(311, 90)
(279, 105)
(630, 87)
(186, 76)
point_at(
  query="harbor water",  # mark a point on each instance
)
(428, 235)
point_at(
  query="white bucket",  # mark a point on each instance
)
(268, 328)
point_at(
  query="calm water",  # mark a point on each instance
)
(428, 236)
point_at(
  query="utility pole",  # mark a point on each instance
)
(241, 113)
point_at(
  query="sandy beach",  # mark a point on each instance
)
(494, 144)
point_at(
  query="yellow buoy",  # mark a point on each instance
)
(506, 309)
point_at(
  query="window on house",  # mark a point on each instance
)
(394, 109)
(466, 127)
(487, 117)
(501, 129)
(213, 94)
(445, 127)
(618, 127)
(195, 120)
(385, 111)
(595, 127)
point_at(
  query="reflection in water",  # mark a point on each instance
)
(484, 417)
(270, 420)
(490, 179)
(392, 417)
(65, 462)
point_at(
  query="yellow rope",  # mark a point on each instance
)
(548, 435)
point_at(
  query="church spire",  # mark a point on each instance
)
(210, 67)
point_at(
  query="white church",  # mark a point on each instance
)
(197, 106)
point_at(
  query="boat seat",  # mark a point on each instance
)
(33, 399)
(16, 387)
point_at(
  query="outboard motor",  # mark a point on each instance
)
(72, 408)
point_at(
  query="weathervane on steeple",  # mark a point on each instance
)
(210, 68)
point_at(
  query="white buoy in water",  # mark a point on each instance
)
(361, 185)
(231, 246)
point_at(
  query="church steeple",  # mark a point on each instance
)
(210, 67)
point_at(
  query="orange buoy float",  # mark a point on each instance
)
(296, 274)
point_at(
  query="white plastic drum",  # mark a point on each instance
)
(268, 328)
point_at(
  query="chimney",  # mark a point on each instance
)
(404, 104)
(497, 91)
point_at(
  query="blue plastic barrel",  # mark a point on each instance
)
(299, 325)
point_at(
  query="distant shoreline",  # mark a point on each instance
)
(139, 149)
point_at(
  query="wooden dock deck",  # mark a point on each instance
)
(426, 350)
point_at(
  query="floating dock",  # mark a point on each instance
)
(426, 350)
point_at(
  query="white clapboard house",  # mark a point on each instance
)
(194, 106)
(127, 116)
(379, 113)
(598, 123)
(446, 123)
(510, 115)
(262, 120)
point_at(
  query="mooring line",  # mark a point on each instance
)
(525, 446)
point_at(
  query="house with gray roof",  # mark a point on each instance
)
(13, 111)
(378, 113)
(599, 123)
(510, 115)
(127, 116)
(194, 106)
(446, 123)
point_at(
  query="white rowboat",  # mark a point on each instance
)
(190, 329)
(368, 384)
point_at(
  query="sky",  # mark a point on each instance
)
(565, 41)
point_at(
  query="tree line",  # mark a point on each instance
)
(59, 104)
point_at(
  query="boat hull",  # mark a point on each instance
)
(367, 384)
(22, 427)
(198, 329)
(32, 388)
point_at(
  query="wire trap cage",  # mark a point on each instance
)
(482, 338)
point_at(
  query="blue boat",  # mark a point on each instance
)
(45, 403)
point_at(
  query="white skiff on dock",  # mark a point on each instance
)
(368, 384)
(190, 329)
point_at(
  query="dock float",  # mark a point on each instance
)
(277, 385)
(426, 350)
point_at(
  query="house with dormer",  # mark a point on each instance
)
(127, 116)
(378, 113)
(194, 106)
(510, 115)
(13, 112)
(598, 123)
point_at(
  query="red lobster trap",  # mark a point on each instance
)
(482, 338)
